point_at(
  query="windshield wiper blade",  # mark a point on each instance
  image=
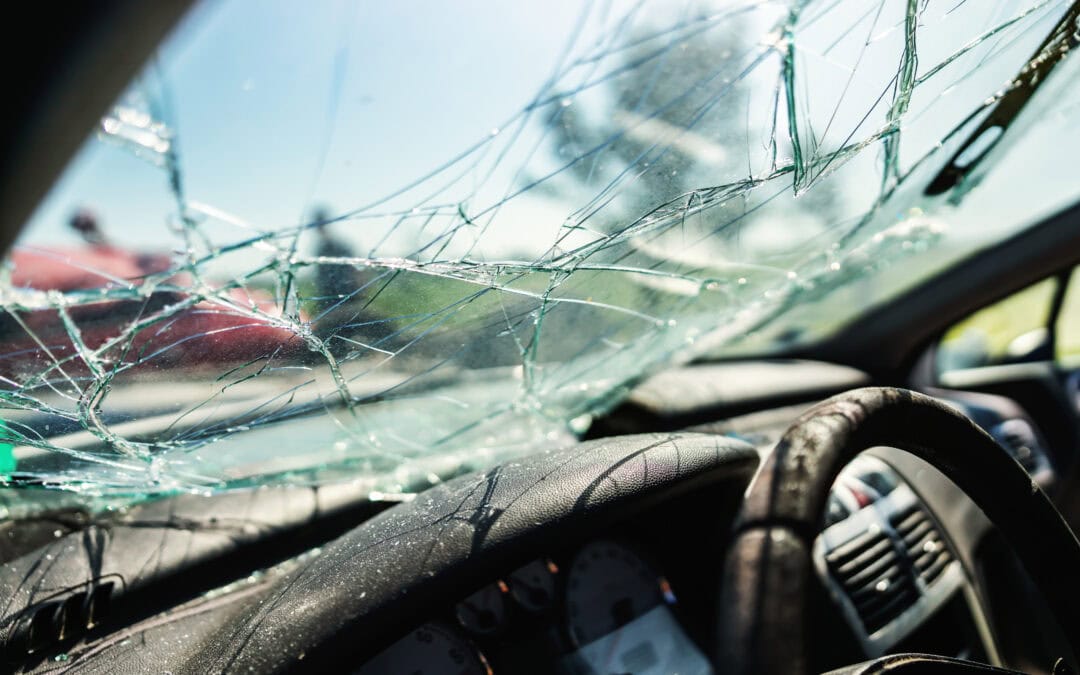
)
(1061, 40)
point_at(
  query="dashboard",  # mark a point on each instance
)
(612, 605)
(886, 568)
(599, 558)
(632, 595)
(603, 609)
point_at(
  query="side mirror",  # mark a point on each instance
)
(1034, 345)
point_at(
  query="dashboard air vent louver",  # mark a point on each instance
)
(874, 576)
(65, 617)
(923, 542)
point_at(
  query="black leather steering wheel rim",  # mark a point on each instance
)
(769, 570)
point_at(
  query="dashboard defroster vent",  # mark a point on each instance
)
(874, 576)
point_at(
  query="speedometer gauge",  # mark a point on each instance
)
(431, 649)
(608, 586)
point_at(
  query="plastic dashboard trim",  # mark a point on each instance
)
(365, 588)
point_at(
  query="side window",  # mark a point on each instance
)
(1067, 328)
(1012, 330)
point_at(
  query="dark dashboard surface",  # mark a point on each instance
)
(366, 589)
(603, 557)
(641, 598)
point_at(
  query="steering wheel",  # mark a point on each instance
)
(769, 570)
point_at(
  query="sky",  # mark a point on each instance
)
(376, 91)
(278, 107)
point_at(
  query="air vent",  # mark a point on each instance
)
(63, 618)
(923, 542)
(875, 578)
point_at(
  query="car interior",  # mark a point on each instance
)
(899, 496)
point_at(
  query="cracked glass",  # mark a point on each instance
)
(391, 242)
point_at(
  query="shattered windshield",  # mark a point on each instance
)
(389, 242)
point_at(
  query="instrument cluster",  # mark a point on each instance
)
(604, 607)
